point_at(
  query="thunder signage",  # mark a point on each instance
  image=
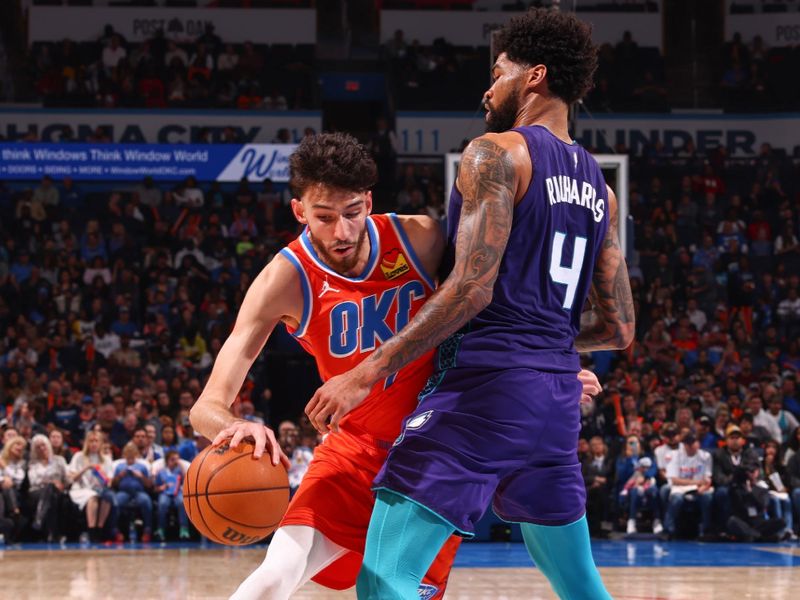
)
(109, 162)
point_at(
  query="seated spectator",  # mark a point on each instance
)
(636, 485)
(598, 471)
(775, 477)
(12, 462)
(762, 418)
(132, 484)
(168, 484)
(47, 476)
(726, 460)
(228, 60)
(47, 194)
(113, 53)
(749, 502)
(189, 194)
(175, 56)
(785, 420)
(56, 437)
(690, 480)
(187, 448)
(90, 473)
(169, 441)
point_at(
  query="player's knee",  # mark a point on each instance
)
(372, 584)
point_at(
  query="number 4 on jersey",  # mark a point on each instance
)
(568, 276)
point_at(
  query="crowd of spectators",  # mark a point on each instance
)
(697, 432)
(442, 76)
(113, 306)
(115, 302)
(160, 72)
(756, 77)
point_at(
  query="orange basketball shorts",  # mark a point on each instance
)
(336, 499)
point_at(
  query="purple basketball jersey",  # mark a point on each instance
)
(546, 271)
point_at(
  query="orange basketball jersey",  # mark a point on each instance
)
(344, 319)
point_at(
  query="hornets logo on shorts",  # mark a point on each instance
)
(414, 422)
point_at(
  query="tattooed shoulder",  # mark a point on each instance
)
(487, 167)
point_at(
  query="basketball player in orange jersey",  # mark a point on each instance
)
(346, 285)
(343, 287)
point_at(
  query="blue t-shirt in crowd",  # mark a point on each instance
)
(129, 482)
(173, 479)
(187, 450)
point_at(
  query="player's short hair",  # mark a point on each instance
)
(560, 41)
(332, 159)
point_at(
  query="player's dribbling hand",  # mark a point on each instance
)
(337, 397)
(263, 439)
(591, 385)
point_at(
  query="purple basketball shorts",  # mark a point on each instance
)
(505, 436)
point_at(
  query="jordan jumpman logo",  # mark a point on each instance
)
(326, 287)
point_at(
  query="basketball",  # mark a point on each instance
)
(233, 498)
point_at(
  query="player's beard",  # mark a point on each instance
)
(503, 116)
(329, 257)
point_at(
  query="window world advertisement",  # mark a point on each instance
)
(110, 162)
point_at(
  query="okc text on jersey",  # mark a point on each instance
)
(363, 324)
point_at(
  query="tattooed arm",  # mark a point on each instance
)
(493, 169)
(609, 324)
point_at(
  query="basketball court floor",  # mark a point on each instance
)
(642, 570)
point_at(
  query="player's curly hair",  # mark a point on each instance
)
(332, 159)
(557, 40)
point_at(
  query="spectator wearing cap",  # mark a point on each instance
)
(690, 480)
(726, 461)
(630, 496)
(187, 448)
(642, 492)
(598, 473)
(774, 474)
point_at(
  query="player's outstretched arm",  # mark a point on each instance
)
(275, 294)
(610, 323)
(489, 179)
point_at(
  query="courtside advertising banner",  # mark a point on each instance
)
(110, 162)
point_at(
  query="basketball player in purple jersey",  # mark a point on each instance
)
(534, 229)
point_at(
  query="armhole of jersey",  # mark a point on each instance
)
(409, 249)
(305, 287)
